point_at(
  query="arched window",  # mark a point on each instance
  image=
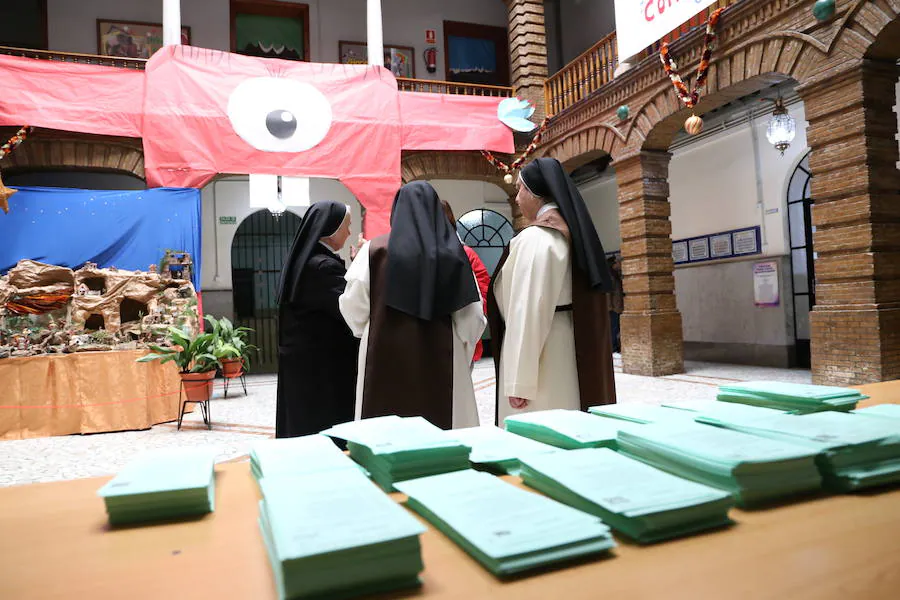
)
(799, 204)
(487, 232)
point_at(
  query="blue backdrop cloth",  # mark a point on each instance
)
(124, 229)
(472, 55)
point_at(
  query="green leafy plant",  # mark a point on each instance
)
(190, 354)
(230, 341)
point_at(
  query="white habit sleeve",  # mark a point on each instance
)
(533, 277)
(354, 302)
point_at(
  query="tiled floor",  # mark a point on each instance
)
(239, 421)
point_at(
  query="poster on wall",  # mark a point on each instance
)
(699, 249)
(765, 283)
(132, 39)
(746, 241)
(400, 60)
(679, 252)
(640, 23)
(720, 245)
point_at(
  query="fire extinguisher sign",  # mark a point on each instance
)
(430, 36)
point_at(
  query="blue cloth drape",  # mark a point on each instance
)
(125, 229)
(471, 55)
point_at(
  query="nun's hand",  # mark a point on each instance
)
(518, 403)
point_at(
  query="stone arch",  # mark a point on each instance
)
(452, 165)
(585, 145)
(44, 153)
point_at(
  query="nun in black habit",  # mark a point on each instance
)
(317, 353)
(412, 298)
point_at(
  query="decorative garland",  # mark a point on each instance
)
(516, 164)
(14, 141)
(690, 98)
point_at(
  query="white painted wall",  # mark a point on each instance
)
(583, 24)
(229, 197)
(72, 26)
(464, 196)
(602, 202)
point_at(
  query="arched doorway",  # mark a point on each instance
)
(257, 255)
(800, 230)
(487, 232)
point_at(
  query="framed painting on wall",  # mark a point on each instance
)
(399, 60)
(132, 39)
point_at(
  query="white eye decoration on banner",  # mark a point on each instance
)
(276, 114)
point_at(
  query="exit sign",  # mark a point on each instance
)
(227, 220)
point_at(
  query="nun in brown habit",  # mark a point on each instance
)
(547, 304)
(412, 298)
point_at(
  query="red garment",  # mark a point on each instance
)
(484, 280)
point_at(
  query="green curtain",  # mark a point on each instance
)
(266, 32)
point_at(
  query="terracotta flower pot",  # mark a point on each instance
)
(232, 367)
(198, 386)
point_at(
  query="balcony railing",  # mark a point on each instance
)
(450, 87)
(406, 85)
(596, 67)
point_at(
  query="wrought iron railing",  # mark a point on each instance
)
(596, 67)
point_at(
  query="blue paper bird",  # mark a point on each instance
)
(514, 113)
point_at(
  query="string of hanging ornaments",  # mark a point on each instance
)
(5, 149)
(690, 98)
(515, 165)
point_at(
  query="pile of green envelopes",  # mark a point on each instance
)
(753, 469)
(161, 485)
(569, 429)
(499, 451)
(642, 502)
(297, 456)
(505, 528)
(854, 452)
(333, 534)
(399, 448)
(640, 413)
(884, 411)
(795, 397)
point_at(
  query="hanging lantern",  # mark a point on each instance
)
(693, 125)
(782, 128)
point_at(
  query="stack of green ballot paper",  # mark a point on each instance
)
(882, 411)
(795, 397)
(752, 469)
(853, 452)
(399, 448)
(644, 503)
(640, 413)
(499, 451)
(507, 529)
(160, 485)
(297, 456)
(333, 534)
(569, 429)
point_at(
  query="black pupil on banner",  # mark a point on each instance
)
(281, 123)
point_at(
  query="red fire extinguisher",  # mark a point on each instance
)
(431, 59)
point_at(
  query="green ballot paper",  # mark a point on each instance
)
(886, 411)
(568, 429)
(507, 529)
(640, 413)
(333, 534)
(399, 448)
(754, 470)
(644, 503)
(161, 485)
(499, 451)
(797, 398)
(297, 456)
(854, 451)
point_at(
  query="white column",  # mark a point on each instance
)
(171, 22)
(375, 38)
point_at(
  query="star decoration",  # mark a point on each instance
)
(5, 193)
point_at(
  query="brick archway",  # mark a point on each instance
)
(42, 152)
(451, 165)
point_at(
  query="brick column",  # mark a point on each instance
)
(528, 52)
(856, 213)
(651, 324)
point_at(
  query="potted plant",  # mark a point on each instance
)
(195, 360)
(230, 346)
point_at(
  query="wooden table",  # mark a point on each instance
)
(55, 543)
